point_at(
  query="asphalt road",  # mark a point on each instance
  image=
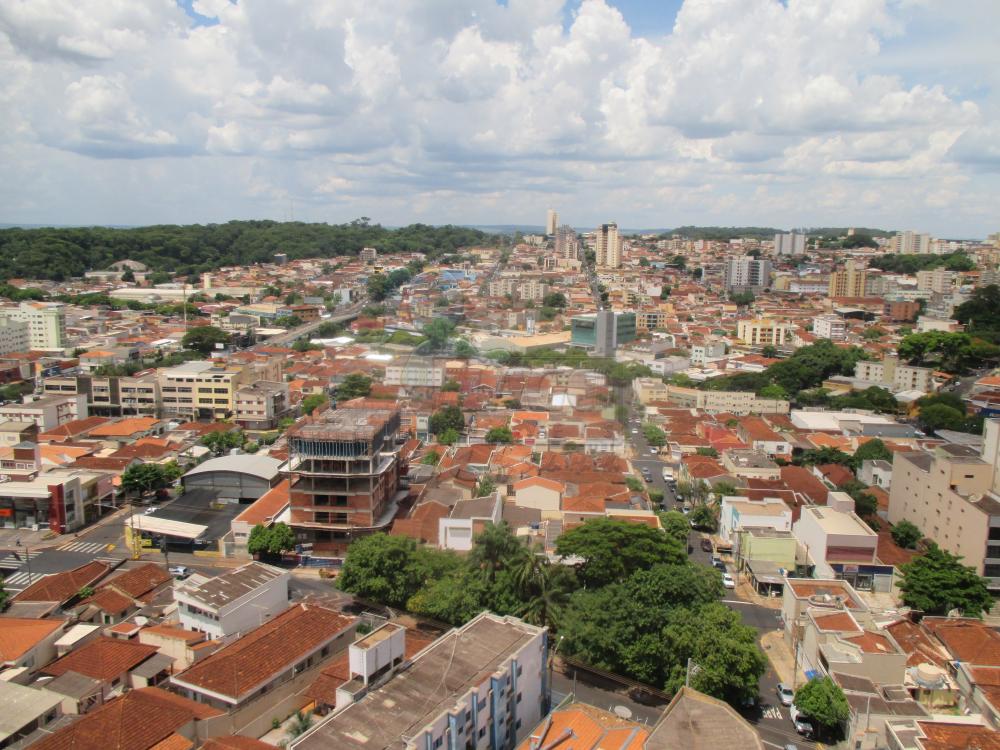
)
(340, 316)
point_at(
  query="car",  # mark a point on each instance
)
(647, 477)
(179, 571)
(785, 694)
(635, 431)
(720, 566)
(803, 727)
(706, 545)
(149, 511)
(727, 581)
(654, 452)
(791, 746)
(644, 696)
(685, 510)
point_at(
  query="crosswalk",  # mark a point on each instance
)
(87, 547)
(15, 561)
(21, 580)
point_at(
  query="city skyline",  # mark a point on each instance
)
(807, 113)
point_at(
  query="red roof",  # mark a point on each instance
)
(103, 659)
(62, 587)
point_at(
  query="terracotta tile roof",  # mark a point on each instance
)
(422, 523)
(540, 482)
(174, 742)
(837, 622)
(138, 720)
(941, 736)
(872, 643)
(62, 587)
(583, 727)
(74, 428)
(917, 643)
(269, 505)
(110, 601)
(891, 553)
(125, 427)
(167, 631)
(139, 581)
(103, 659)
(967, 639)
(17, 635)
(244, 664)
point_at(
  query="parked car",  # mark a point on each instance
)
(645, 697)
(785, 694)
(727, 581)
(179, 571)
(804, 727)
(149, 510)
(719, 565)
(706, 545)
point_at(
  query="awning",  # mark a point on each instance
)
(166, 527)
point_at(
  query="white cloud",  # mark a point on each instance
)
(750, 111)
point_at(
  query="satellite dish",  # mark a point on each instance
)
(623, 712)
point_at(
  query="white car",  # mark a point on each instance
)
(785, 694)
(727, 581)
(179, 571)
(635, 431)
(653, 452)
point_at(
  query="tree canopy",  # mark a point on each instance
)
(937, 582)
(271, 540)
(448, 417)
(204, 338)
(611, 550)
(822, 701)
(499, 435)
(59, 253)
(355, 385)
(143, 478)
(906, 534)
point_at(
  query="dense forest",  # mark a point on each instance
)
(60, 253)
(910, 264)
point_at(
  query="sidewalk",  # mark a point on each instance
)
(781, 657)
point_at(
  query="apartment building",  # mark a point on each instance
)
(747, 274)
(650, 320)
(415, 373)
(48, 412)
(792, 243)
(199, 390)
(937, 280)
(344, 470)
(850, 281)
(608, 246)
(889, 373)
(566, 243)
(111, 396)
(368, 255)
(551, 221)
(480, 686)
(236, 601)
(763, 332)
(739, 403)
(261, 405)
(831, 327)
(910, 243)
(15, 336)
(532, 289)
(947, 494)
(46, 323)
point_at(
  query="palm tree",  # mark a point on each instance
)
(495, 549)
(543, 587)
(300, 724)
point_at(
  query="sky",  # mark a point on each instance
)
(651, 113)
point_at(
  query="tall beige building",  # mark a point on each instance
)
(947, 495)
(551, 222)
(609, 246)
(46, 323)
(849, 282)
(15, 336)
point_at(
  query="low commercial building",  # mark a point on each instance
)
(199, 390)
(467, 520)
(242, 477)
(266, 658)
(483, 685)
(61, 500)
(763, 332)
(261, 405)
(739, 403)
(48, 412)
(740, 513)
(750, 464)
(840, 543)
(831, 327)
(236, 601)
(25, 710)
(415, 373)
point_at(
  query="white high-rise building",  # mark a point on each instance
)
(747, 274)
(15, 336)
(609, 246)
(792, 243)
(910, 243)
(551, 222)
(46, 323)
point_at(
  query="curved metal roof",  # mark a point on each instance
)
(263, 467)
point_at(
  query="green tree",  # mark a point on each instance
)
(222, 441)
(872, 450)
(485, 486)
(392, 569)
(676, 525)
(770, 351)
(704, 517)
(773, 391)
(554, 299)
(906, 534)
(496, 549)
(142, 478)
(633, 484)
(937, 582)
(656, 437)
(314, 401)
(129, 276)
(271, 541)
(743, 299)
(438, 332)
(499, 435)
(431, 458)
(4, 596)
(465, 350)
(611, 550)
(821, 456)
(448, 417)
(941, 417)
(204, 339)
(822, 701)
(709, 452)
(450, 436)
(354, 385)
